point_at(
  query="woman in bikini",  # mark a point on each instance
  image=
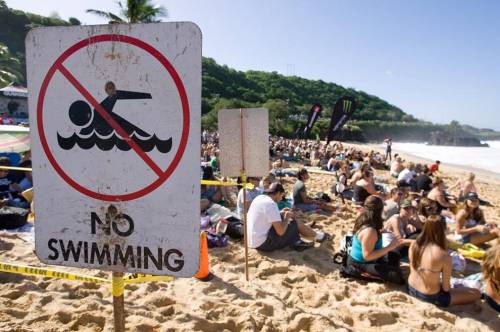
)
(471, 227)
(431, 266)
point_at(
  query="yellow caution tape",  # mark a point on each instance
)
(44, 272)
(117, 286)
(26, 169)
(139, 277)
(223, 183)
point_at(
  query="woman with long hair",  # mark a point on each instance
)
(471, 227)
(367, 256)
(431, 266)
(491, 277)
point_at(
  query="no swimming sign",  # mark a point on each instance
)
(115, 127)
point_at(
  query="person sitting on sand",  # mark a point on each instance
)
(438, 194)
(269, 230)
(405, 225)
(303, 202)
(433, 168)
(467, 186)
(391, 205)
(426, 208)
(424, 181)
(364, 188)
(340, 186)
(250, 195)
(396, 167)
(431, 266)
(407, 176)
(491, 277)
(367, 255)
(471, 227)
(215, 194)
(358, 174)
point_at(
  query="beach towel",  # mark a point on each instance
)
(468, 250)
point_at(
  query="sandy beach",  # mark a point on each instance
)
(287, 291)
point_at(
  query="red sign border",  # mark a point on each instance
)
(185, 111)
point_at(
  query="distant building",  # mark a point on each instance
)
(14, 103)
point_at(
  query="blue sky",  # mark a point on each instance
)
(437, 60)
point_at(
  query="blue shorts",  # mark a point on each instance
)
(307, 207)
(441, 299)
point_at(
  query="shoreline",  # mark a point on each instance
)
(456, 168)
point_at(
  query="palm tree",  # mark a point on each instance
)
(135, 11)
(10, 67)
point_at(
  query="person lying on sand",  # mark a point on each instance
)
(270, 230)
(367, 256)
(491, 277)
(471, 227)
(303, 202)
(431, 266)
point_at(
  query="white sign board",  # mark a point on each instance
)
(244, 131)
(115, 134)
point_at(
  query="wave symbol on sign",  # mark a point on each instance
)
(98, 132)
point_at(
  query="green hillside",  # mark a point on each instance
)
(288, 98)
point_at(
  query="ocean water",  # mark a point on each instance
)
(482, 158)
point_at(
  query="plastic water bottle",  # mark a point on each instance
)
(222, 226)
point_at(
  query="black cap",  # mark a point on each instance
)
(274, 187)
(471, 196)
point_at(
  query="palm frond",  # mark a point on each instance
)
(107, 15)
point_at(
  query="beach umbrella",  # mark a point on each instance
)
(14, 139)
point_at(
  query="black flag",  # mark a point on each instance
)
(344, 107)
(313, 116)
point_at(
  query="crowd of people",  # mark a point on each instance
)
(414, 221)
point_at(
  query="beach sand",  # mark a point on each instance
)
(287, 291)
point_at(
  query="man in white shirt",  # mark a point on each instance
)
(407, 177)
(269, 230)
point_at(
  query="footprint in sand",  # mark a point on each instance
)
(62, 317)
(89, 321)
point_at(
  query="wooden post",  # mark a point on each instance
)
(244, 180)
(118, 301)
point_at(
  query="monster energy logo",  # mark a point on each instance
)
(347, 105)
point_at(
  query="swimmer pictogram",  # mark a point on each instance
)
(98, 132)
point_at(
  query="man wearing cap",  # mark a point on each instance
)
(405, 225)
(269, 230)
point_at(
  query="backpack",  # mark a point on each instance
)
(340, 258)
(350, 271)
(13, 217)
